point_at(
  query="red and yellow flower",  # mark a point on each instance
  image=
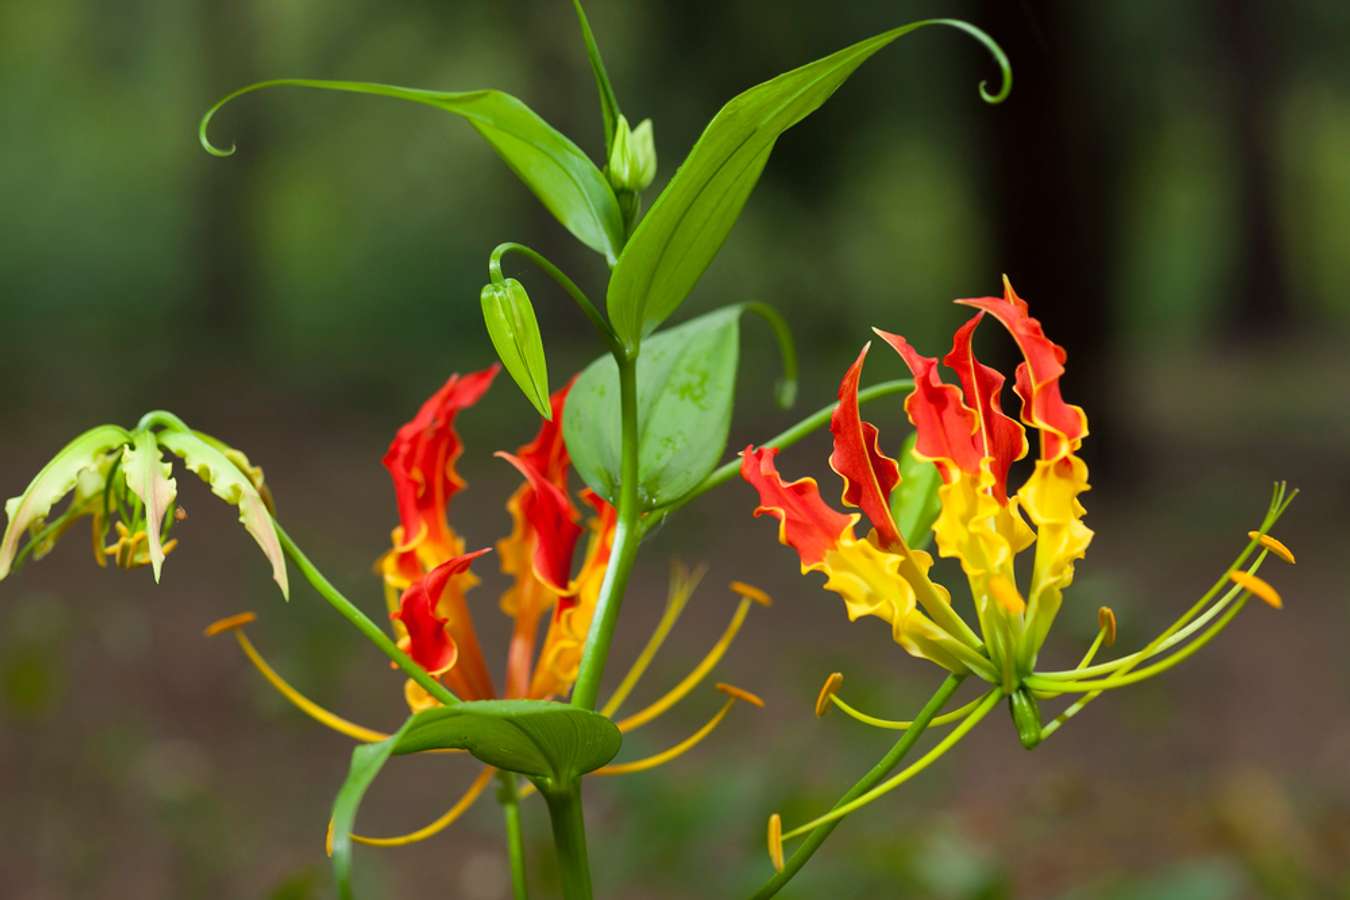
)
(428, 576)
(960, 428)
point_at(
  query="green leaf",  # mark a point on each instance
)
(549, 742)
(549, 164)
(56, 479)
(678, 238)
(514, 331)
(609, 102)
(914, 502)
(686, 378)
(148, 477)
(233, 486)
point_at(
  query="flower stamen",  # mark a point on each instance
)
(460, 807)
(705, 665)
(683, 583)
(776, 841)
(733, 693)
(1258, 587)
(1273, 545)
(235, 624)
(827, 691)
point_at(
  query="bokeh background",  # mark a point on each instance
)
(1169, 184)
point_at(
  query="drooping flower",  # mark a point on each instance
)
(428, 577)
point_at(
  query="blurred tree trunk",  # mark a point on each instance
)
(1259, 304)
(1052, 177)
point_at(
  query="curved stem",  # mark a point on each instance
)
(785, 390)
(818, 419)
(864, 784)
(569, 837)
(362, 622)
(567, 284)
(509, 798)
(627, 536)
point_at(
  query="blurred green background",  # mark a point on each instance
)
(1169, 185)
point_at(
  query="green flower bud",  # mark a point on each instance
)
(514, 331)
(632, 160)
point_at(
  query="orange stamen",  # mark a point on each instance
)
(1106, 621)
(1257, 586)
(828, 690)
(1273, 545)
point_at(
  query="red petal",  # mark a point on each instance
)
(808, 524)
(945, 425)
(602, 527)
(547, 453)
(869, 475)
(551, 516)
(421, 458)
(429, 642)
(1062, 425)
(998, 436)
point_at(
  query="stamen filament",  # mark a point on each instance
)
(1157, 668)
(982, 709)
(235, 624)
(678, 693)
(898, 725)
(461, 806)
(650, 762)
(1170, 637)
(683, 583)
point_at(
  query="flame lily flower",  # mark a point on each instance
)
(427, 577)
(984, 525)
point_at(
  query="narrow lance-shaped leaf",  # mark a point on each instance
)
(514, 331)
(547, 161)
(148, 477)
(914, 502)
(548, 742)
(234, 487)
(609, 102)
(57, 479)
(678, 238)
(686, 380)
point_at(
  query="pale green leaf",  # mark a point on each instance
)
(148, 477)
(234, 487)
(57, 479)
(687, 225)
(686, 378)
(547, 161)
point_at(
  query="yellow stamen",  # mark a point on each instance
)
(897, 724)
(461, 806)
(1258, 586)
(684, 746)
(304, 704)
(1007, 595)
(776, 841)
(828, 690)
(739, 693)
(683, 583)
(1273, 545)
(1106, 621)
(238, 620)
(751, 592)
(678, 693)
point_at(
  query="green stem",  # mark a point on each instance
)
(864, 784)
(362, 622)
(802, 429)
(627, 536)
(567, 284)
(509, 798)
(569, 837)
